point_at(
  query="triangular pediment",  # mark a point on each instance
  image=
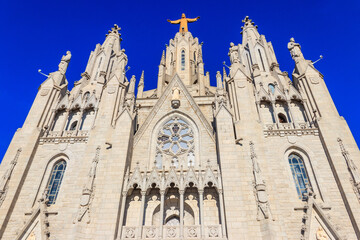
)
(320, 225)
(186, 96)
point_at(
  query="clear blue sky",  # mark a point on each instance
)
(35, 34)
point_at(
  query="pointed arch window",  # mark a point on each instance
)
(182, 60)
(299, 173)
(271, 88)
(56, 177)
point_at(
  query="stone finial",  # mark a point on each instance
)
(162, 61)
(114, 30)
(248, 23)
(219, 83)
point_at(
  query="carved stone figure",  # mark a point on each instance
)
(259, 187)
(6, 177)
(321, 234)
(88, 190)
(295, 50)
(234, 53)
(355, 175)
(64, 63)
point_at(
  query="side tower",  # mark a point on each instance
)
(289, 150)
(63, 170)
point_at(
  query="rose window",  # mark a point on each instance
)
(175, 139)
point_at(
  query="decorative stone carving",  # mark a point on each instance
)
(6, 177)
(88, 191)
(295, 50)
(259, 188)
(175, 101)
(354, 172)
(321, 234)
(234, 53)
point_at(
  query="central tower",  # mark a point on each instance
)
(183, 56)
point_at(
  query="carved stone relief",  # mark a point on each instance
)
(6, 177)
(88, 191)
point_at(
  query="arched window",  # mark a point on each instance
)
(271, 88)
(73, 126)
(282, 118)
(182, 60)
(86, 96)
(299, 174)
(194, 56)
(56, 177)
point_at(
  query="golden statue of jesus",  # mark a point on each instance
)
(183, 21)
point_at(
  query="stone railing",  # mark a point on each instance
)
(288, 129)
(172, 232)
(64, 136)
(150, 232)
(130, 233)
(192, 232)
(213, 231)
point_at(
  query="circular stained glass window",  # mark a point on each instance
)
(175, 138)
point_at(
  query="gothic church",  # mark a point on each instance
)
(258, 156)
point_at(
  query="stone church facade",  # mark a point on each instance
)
(257, 156)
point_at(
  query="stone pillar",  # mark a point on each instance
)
(275, 112)
(141, 218)
(222, 213)
(162, 197)
(201, 203)
(79, 119)
(259, 111)
(122, 212)
(291, 113)
(65, 120)
(181, 213)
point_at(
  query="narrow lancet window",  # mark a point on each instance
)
(182, 60)
(56, 177)
(271, 88)
(299, 174)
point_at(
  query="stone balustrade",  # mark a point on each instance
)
(172, 232)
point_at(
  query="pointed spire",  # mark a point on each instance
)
(141, 82)
(141, 86)
(132, 84)
(200, 58)
(162, 62)
(219, 83)
(224, 73)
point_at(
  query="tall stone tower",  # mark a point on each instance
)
(257, 156)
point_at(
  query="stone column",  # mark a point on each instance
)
(222, 213)
(65, 121)
(291, 113)
(162, 197)
(141, 218)
(259, 111)
(201, 203)
(122, 212)
(276, 113)
(181, 213)
(79, 119)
